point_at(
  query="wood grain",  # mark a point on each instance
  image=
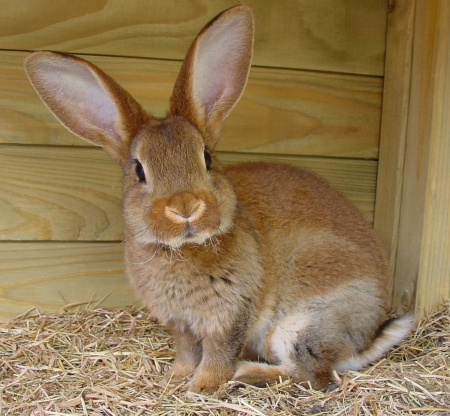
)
(394, 124)
(422, 276)
(432, 103)
(330, 35)
(61, 193)
(301, 113)
(282, 111)
(51, 275)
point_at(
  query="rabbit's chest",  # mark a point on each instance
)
(203, 299)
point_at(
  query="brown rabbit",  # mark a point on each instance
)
(260, 271)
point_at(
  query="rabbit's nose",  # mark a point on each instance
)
(184, 208)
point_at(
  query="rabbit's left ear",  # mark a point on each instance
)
(86, 100)
(215, 71)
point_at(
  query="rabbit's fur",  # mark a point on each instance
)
(260, 271)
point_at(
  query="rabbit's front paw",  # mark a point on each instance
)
(179, 370)
(208, 381)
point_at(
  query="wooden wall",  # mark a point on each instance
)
(313, 99)
(413, 192)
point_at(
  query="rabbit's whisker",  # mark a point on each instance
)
(149, 260)
(140, 233)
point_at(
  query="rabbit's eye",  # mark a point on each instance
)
(208, 159)
(140, 171)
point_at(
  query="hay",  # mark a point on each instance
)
(98, 362)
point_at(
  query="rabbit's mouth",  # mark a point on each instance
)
(175, 234)
(186, 217)
(176, 241)
(190, 238)
(189, 233)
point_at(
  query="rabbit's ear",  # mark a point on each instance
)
(215, 71)
(86, 100)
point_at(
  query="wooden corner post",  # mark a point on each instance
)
(412, 212)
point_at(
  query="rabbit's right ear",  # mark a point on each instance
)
(86, 100)
(215, 71)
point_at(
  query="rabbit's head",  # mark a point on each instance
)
(175, 190)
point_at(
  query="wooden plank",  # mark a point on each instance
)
(411, 218)
(63, 193)
(59, 194)
(423, 264)
(282, 111)
(299, 113)
(330, 35)
(51, 275)
(394, 123)
(434, 270)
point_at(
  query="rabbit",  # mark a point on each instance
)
(261, 272)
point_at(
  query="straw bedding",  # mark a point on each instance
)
(99, 362)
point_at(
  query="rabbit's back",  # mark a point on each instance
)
(310, 235)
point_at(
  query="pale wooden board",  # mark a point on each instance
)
(424, 242)
(282, 111)
(434, 272)
(51, 275)
(415, 170)
(393, 131)
(326, 35)
(64, 193)
(59, 194)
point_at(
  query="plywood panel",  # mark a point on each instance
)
(51, 275)
(282, 111)
(327, 35)
(61, 193)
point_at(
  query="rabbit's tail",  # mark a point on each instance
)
(389, 334)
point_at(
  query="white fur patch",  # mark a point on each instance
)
(286, 333)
